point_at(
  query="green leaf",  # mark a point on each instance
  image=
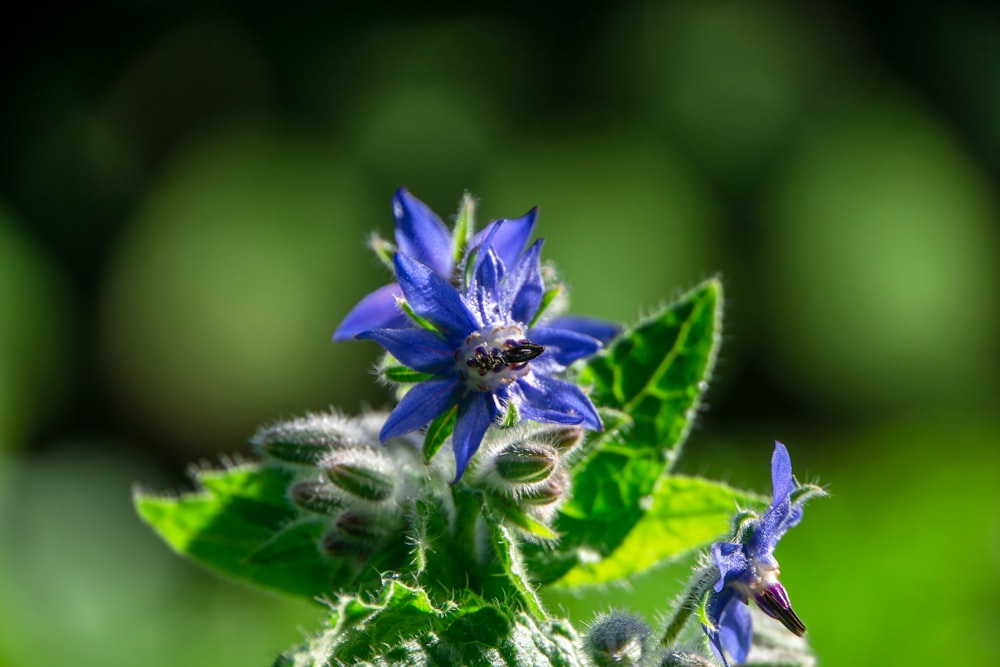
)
(686, 514)
(241, 525)
(655, 373)
(404, 628)
(509, 559)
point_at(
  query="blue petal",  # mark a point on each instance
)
(419, 407)
(731, 561)
(476, 412)
(419, 349)
(736, 630)
(593, 327)
(781, 472)
(714, 608)
(522, 289)
(434, 298)
(563, 345)
(715, 643)
(482, 296)
(780, 516)
(420, 233)
(376, 311)
(554, 401)
(511, 238)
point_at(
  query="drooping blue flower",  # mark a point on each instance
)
(421, 235)
(482, 355)
(747, 568)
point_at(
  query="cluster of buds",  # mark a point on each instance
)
(345, 473)
(367, 489)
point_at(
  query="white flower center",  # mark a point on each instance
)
(495, 355)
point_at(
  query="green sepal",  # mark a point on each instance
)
(439, 431)
(465, 224)
(419, 321)
(547, 298)
(511, 417)
(403, 375)
(384, 251)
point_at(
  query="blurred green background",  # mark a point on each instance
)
(185, 190)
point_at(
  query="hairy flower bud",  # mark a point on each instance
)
(307, 440)
(525, 463)
(363, 482)
(360, 526)
(318, 497)
(617, 639)
(553, 490)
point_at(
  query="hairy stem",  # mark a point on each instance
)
(704, 578)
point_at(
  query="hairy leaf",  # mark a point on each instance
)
(686, 514)
(655, 373)
(404, 628)
(241, 525)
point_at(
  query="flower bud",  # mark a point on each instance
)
(306, 440)
(617, 639)
(361, 481)
(360, 526)
(318, 497)
(526, 463)
(553, 490)
(566, 438)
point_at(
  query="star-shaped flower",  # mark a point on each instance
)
(481, 354)
(747, 568)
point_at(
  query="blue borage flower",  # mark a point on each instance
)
(747, 568)
(420, 235)
(481, 353)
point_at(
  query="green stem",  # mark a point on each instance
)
(701, 582)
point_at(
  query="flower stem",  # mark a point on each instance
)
(704, 578)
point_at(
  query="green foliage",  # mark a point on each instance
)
(655, 374)
(404, 628)
(417, 571)
(686, 513)
(241, 525)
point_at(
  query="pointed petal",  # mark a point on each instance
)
(420, 349)
(554, 401)
(420, 234)
(476, 412)
(419, 407)
(434, 298)
(512, 237)
(593, 327)
(522, 289)
(780, 516)
(781, 472)
(376, 311)
(563, 345)
(736, 630)
(483, 292)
